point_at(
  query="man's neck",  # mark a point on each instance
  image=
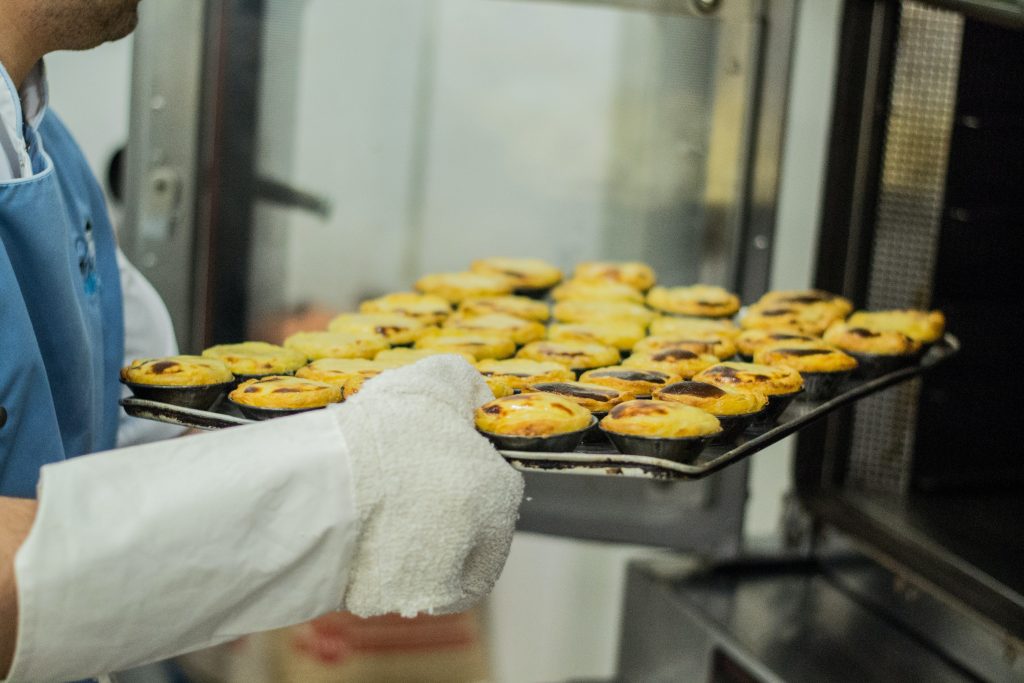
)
(18, 52)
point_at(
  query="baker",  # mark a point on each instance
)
(390, 503)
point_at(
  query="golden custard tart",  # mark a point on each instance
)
(633, 273)
(355, 383)
(640, 383)
(255, 358)
(688, 325)
(660, 429)
(812, 319)
(480, 346)
(582, 311)
(806, 297)
(277, 395)
(596, 290)
(317, 345)
(406, 356)
(823, 367)
(749, 341)
(455, 287)
(708, 301)
(429, 309)
(337, 371)
(676, 361)
(877, 351)
(575, 355)
(188, 381)
(735, 409)
(780, 384)
(528, 275)
(397, 328)
(521, 372)
(507, 326)
(520, 306)
(926, 327)
(719, 345)
(621, 334)
(593, 397)
(535, 421)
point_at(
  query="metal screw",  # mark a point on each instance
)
(706, 6)
(761, 242)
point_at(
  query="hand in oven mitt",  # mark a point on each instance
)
(437, 503)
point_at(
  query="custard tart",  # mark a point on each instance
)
(677, 361)
(575, 355)
(534, 422)
(337, 371)
(520, 372)
(581, 311)
(926, 327)
(640, 383)
(480, 346)
(315, 345)
(528, 275)
(633, 273)
(593, 397)
(188, 381)
(660, 429)
(397, 328)
(877, 351)
(519, 306)
(686, 325)
(811, 319)
(255, 358)
(749, 341)
(427, 308)
(407, 356)
(517, 329)
(454, 287)
(279, 395)
(621, 334)
(735, 409)
(719, 345)
(707, 301)
(596, 290)
(823, 367)
(780, 384)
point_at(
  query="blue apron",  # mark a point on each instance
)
(61, 325)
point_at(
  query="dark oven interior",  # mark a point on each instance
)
(924, 207)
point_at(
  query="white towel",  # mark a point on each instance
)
(438, 503)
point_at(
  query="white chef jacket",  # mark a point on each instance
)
(148, 328)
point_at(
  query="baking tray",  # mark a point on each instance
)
(602, 459)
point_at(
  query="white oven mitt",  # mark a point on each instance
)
(437, 503)
(390, 503)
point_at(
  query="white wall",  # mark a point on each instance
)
(90, 90)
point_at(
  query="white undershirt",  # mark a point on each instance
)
(148, 328)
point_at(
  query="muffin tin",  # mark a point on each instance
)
(598, 457)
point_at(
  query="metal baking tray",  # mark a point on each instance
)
(601, 458)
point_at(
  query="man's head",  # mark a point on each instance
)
(82, 24)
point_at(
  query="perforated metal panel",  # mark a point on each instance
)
(907, 230)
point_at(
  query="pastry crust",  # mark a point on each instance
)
(633, 273)
(256, 358)
(853, 339)
(621, 334)
(355, 383)
(682, 362)
(660, 419)
(718, 345)
(804, 297)
(688, 325)
(499, 387)
(719, 401)
(525, 273)
(533, 414)
(811, 319)
(337, 371)
(277, 391)
(924, 326)
(575, 355)
(521, 372)
(596, 290)
(593, 397)
(507, 326)
(480, 346)
(397, 328)
(316, 345)
(770, 380)
(640, 383)
(177, 371)
(708, 301)
(519, 306)
(458, 286)
(749, 341)
(818, 356)
(578, 311)
(406, 356)
(427, 308)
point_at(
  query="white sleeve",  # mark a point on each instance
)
(148, 333)
(143, 553)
